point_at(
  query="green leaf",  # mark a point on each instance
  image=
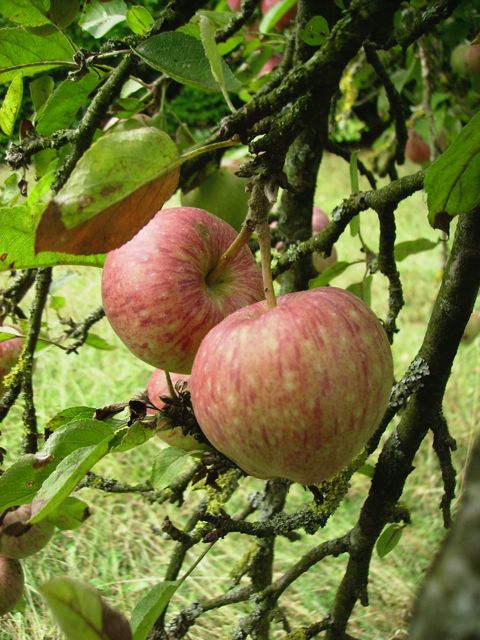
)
(17, 237)
(40, 90)
(21, 481)
(100, 17)
(389, 538)
(57, 302)
(329, 274)
(183, 58)
(275, 14)
(362, 289)
(99, 343)
(207, 33)
(59, 111)
(139, 19)
(30, 13)
(367, 469)
(38, 53)
(11, 105)
(63, 480)
(71, 414)
(315, 32)
(410, 247)
(70, 514)
(150, 607)
(134, 436)
(6, 333)
(81, 613)
(452, 182)
(169, 463)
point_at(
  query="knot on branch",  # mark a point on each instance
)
(411, 382)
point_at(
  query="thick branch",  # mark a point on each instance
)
(450, 315)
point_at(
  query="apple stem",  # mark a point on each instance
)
(232, 251)
(263, 235)
(171, 388)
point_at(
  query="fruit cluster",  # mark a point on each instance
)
(18, 540)
(291, 391)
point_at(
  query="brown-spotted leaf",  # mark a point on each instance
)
(116, 188)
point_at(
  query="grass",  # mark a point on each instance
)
(118, 551)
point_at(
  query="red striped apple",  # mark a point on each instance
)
(319, 222)
(293, 391)
(155, 287)
(157, 386)
(10, 351)
(11, 584)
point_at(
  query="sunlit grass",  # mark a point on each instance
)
(118, 549)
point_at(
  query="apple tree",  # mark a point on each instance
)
(264, 367)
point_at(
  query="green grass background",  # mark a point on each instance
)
(118, 551)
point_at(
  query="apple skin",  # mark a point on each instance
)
(10, 351)
(154, 287)
(11, 584)
(271, 64)
(285, 20)
(416, 149)
(319, 222)
(465, 60)
(18, 539)
(234, 5)
(472, 330)
(223, 194)
(157, 386)
(295, 391)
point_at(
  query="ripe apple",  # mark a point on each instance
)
(157, 386)
(270, 64)
(18, 539)
(416, 149)
(465, 60)
(297, 390)
(472, 330)
(223, 194)
(285, 20)
(155, 290)
(234, 5)
(10, 351)
(11, 584)
(319, 222)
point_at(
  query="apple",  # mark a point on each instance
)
(223, 194)
(319, 222)
(10, 351)
(472, 330)
(293, 391)
(234, 5)
(416, 149)
(155, 290)
(465, 60)
(11, 584)
(157, 386)
(285, 20)
(18, 539)
(270, 64)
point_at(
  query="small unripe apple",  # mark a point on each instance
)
(472, 330)
(465, 60)
(156, 289)
(223, 194)
(11, 584)
(157, 386)
(285, 20)
(10, 351)
(319, 222)
(293, 391)
(416, 149)
(18, 539)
